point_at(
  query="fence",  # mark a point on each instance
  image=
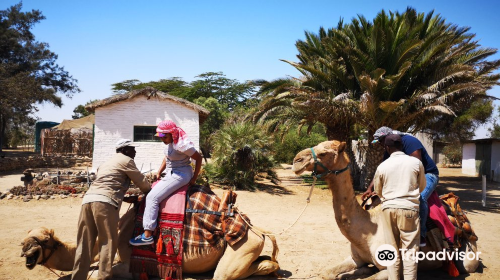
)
(65, 142)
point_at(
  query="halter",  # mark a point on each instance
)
(327, 171)
(44, 246)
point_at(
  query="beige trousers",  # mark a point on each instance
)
(97, 219)
(402, 230)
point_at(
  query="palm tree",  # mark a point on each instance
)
(403, 70)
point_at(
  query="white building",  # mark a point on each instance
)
(482, 157)
(134, 115)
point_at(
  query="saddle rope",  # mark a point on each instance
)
(308, 199)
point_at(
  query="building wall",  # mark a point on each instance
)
(117, 120)
(495, 160)
(426, 142)
(469, 159)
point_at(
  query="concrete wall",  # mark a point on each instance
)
(495, 160)
(426, 142)
(469, 159)
(117, 120)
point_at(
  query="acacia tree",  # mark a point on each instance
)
(403, 70)
(29, 74)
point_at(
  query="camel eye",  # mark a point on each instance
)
(299, 160)
(321, 154)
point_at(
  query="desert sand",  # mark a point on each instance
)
(306, 248)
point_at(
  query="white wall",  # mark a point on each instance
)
(117, 120)
(495, 160)
(426, 142)
(469, 159)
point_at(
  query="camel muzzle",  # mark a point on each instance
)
(31, 260)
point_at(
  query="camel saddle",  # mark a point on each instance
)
(463, 227)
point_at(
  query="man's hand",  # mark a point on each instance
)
(369, 192)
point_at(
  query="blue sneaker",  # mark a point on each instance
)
(141, 240)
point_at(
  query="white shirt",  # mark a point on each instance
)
(399, 181)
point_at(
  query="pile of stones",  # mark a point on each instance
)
(43, 185)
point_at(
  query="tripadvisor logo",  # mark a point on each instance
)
(387, 255)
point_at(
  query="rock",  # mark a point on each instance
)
(62, 196)
(52, 197)
(27, 198)
(44, 196)
(81, 195)
(3, 195)
(10, 196)
(37, 197)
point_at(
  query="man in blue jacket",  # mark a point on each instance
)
(413, 147)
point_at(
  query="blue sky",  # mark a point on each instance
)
(104, 42)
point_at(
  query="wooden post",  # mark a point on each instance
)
(484, 191)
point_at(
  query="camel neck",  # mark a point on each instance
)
(348, 213)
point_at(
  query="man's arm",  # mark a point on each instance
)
(369, 191)
(417, 154)
(422, 181)
(377, 183)
(137, 177)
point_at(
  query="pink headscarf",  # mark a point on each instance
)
(180, 138)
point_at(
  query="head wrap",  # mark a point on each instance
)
(180, 139)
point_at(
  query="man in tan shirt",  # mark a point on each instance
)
(100, 210)
(399, 180)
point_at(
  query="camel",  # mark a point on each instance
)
(356, 224)
(239, 261)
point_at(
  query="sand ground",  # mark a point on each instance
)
(311, 244)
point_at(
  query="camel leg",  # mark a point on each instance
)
(345, 266)
(381, 275)
(238, 258)
(125, 232)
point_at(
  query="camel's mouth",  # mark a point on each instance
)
(31, 260)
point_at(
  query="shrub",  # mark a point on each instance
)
(293, 142)
(241, 151)
(453, 153)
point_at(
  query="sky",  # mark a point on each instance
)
(105, 42)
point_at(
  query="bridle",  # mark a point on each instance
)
(327, 171)
(44, 246)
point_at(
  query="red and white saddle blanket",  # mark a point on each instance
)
(207, 222)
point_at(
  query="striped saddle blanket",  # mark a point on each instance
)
(194, 218)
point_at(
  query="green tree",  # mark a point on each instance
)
(403, 70)
(29, 74)
(227, 91)
(80, 111)
(218, 114)
(495, 129)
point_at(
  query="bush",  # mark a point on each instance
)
(453, 153)
(285, 149)
(241, 151)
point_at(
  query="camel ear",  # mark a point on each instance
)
(341, 147)
(29, 231)
(51, 233)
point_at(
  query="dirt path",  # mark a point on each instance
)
(312, 244)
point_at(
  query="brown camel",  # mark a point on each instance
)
(239, 261)
(357, 225)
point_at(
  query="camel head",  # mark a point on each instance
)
(329, 154)
(38, 245)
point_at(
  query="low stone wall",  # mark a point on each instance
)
(22, 163)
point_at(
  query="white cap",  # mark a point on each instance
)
(124, 143)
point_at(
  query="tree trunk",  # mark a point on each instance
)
(3, 124)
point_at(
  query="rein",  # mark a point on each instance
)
(52, 249)
(327, 171)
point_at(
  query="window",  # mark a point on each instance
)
(145, 134)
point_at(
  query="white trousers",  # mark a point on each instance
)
(173, 180)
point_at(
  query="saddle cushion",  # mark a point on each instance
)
(207, 230)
